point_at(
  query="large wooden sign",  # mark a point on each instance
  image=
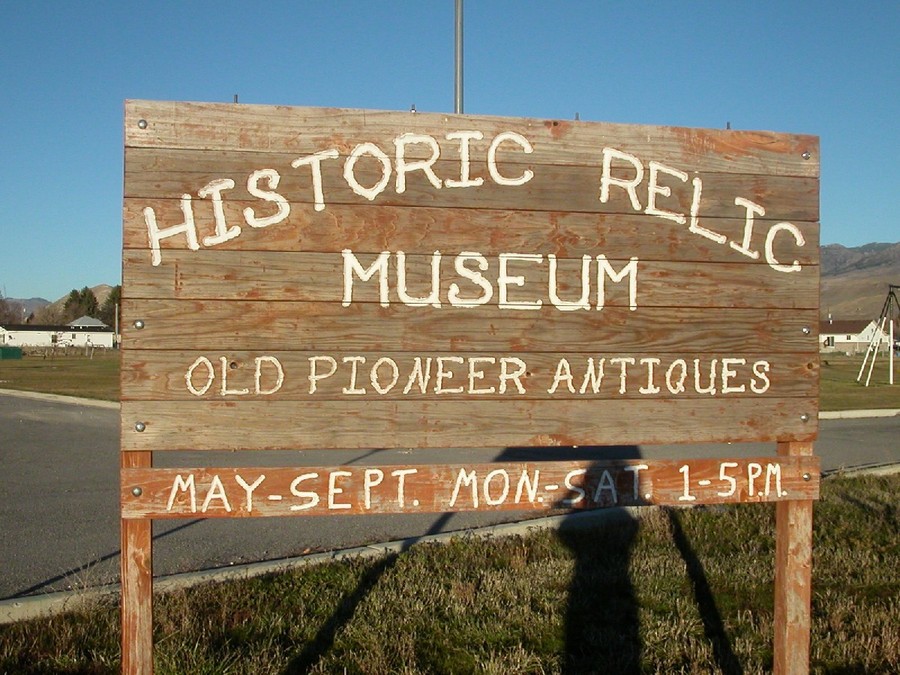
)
(318, 278)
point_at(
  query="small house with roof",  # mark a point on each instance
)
(83, 332)
(850, 336)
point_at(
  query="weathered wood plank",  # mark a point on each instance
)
(285, 425)
(793, 574)
(553, 187)
(137, 580)
(424, 230)
(305, 376)
(319, 277)
(317, 326)
(307, 130)
(355, 490)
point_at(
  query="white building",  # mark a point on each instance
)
(850, 336)
(83, 332)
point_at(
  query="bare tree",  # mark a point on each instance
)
(9, 313)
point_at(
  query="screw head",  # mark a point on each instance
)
(142, 124)
(137, 492)
(804, 417)
(139, 426)
(139, 324)
(807, 477)
(806, 155)
(806, 330)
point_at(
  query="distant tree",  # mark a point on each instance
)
(9, 313)
(80, 303)
(112, 303)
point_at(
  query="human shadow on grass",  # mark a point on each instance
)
(601, 619)
(602, 630)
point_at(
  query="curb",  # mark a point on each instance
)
(858, 414)
(52, 604)
(57, 398)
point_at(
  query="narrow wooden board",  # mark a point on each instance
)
(306, 376)
(287, 425)
(316, 326)
(554, 187)
(793, 575)
(410, 489)
(319, 277)
(217, 126)
(489, 231)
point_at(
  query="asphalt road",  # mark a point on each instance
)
(59, 525)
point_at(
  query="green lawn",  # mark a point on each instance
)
(68, 374)
(839, 390)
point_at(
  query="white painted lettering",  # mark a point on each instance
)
(487, 290)
(404, 166)
(210, 376)
(181, 484)
(654, 189)
(394, 375)
(371, 150)
(311, 496)
(314, 162)
(770, 246)
(216, 491)
(582, 302)
(519, 140)
(156, 235)
(504, 281)
(223, 233)
(607, 180)
(464, 163)
(314, 376)
(604, 269)
(433, 298)
(507, 375)
(753, 209)
(249, 488)
(272, 177)
(353, 266)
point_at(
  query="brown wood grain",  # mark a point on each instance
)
(318, 277)
(436, 488)
(793, 575)
(286, 375)
(217, 126)
(317, 326)
(137, 579)
(285, 425)
(159, 174)
(424, 230)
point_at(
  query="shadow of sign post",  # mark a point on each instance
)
(300, 278)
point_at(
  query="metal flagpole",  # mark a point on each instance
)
(458, 93)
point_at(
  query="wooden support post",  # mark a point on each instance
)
(137, 584)
(793, 577)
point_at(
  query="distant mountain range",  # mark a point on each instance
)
(854, 283)
(47, 312)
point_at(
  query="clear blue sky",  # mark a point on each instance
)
(824, 68)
